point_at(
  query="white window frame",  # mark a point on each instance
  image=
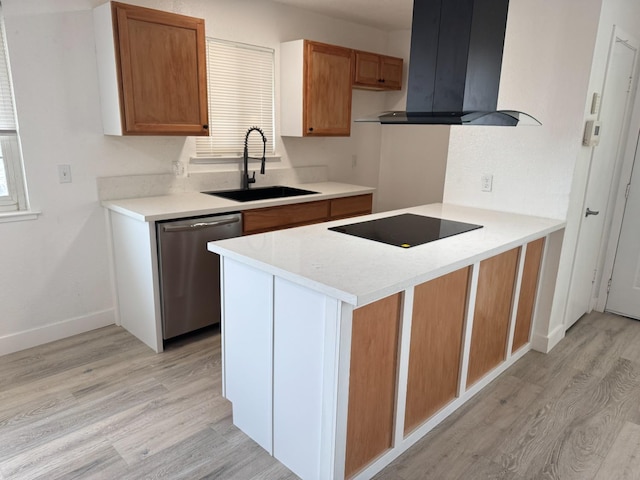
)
(10, 154)
(240, 80)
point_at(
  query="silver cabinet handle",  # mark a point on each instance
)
(590, 212)
(198, 226)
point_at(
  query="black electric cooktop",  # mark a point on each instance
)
(406, 230)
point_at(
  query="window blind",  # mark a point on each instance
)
(240, 88)
(7, 117)
(12, 187)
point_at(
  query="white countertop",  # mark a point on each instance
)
(191, 204)
(359, 271)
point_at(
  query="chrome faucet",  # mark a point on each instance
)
(246, 180)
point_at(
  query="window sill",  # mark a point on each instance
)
(20, 216)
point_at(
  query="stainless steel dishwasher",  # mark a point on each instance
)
(189, 273)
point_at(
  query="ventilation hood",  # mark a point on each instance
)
(454, 65)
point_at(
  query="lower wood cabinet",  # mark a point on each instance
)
(284, 216)
(439, 308)
(350, 206)
(496, 283)
(372, 385)
(528, 290)
(295, 215)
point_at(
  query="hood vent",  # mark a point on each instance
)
(454, 65)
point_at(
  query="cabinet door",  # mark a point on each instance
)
(327, 90)
(494, 297)
(350, 206)
(391, 72)
(372, 382)
(161, 58)
(284, 216)
(377, 72)
(528, 291)
(367, 70)
(436, 343)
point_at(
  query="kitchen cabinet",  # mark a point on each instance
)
(133, 223)
(346, 207)
(315, 89)
(285, 216)
(357, 354)
(435, 353)
(377, 72)
(152, 71)
(372, 390)
(528, 292)
(492, 314)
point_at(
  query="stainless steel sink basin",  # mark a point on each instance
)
(261, 193)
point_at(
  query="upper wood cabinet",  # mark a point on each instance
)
(152, 71)
(377, 72)
(316, 82)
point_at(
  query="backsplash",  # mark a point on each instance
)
(135, 186)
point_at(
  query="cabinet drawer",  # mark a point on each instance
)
(274, 218)
(350, 206)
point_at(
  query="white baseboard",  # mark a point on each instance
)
(48, 333)
(544, 343)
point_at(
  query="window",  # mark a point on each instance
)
(12, 191)
(240, 80)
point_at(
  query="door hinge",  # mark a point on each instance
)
(630, 84)
(609, 286)
(626, 193)
(595, 271)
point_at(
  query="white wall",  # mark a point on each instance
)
(413, 161)
(555, 58)
(413, 158)
(55, 272)
(547, 59)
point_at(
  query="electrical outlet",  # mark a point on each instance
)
(64, 173)
(486, 182)
(178, 168)
(354, 160)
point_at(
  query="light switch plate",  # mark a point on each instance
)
(64, 173)
(595, 103)
(486, 182)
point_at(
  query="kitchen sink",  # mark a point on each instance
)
(261, 193)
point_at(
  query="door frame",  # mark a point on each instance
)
(622, 176)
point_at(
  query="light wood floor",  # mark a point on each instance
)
(103, 406)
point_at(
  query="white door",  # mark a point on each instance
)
(616, 101)
(624, 293)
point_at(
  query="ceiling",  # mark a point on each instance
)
(382, 14)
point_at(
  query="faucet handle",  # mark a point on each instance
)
(252, 179)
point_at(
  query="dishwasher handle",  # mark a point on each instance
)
(199, 225)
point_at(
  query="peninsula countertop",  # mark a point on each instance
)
(359, 271)
(191, 204)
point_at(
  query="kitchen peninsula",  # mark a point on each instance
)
(340, 352)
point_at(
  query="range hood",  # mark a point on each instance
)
(454, 65)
